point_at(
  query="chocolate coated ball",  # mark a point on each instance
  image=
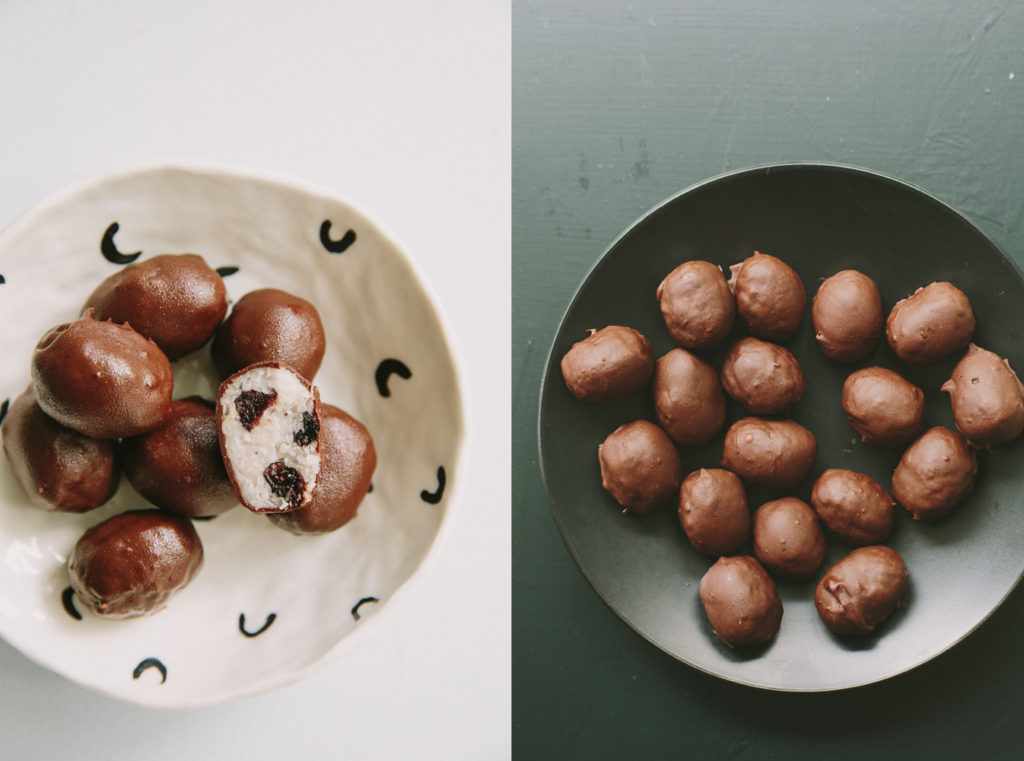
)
(697, 304)
(764, 377)
(935, 473)
(987, 398)
(640, 466)
(883, 406)
(741, 601)
(713, 511)
(933, 323)
(862, 590)
(788, 539)
(770, 296)
(847, 316)
(853, 505)
(688, 398)
(775, 453)
(610, 364)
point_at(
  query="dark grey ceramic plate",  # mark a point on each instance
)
(820, 219)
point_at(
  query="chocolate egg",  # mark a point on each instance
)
(640, 466)
(933, 323)
(987, 398)
(770, 296)
(788, 539)
(883, 406)
(847, 316)
(348, 460)
(862, 590)
(102, 379)
(130, 564)
(741, 601)
(688, 398)
(176, 300)
(270, 325)
(935, 473)
(178, 466)
(59, 469)
(713, 511)
(697, 304)
(610, 364)
(775, 453)
(764, 377)
(853, 505)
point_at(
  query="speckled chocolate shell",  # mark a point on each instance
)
(102, 379)
(713, 511)
(763, 377)
(610, 364)
(853, 506)
(697, 304)
(883, 406)
(270, 325)
(640, 466)
(862, 590)
(770, 296)
(59, 469)
(847, 316)
(688, 398)
(129, 565)
(933, 323)
(346, 469)
(788, 539)
(177, 300)
(741, 601)
(178, 466)
(775, 453)
(987, 398)
(935, 473)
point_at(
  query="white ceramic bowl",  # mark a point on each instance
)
(298, 595)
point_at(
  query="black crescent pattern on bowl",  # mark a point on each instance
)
(109, 249)
(150, 663)
(335, 246)
(266, 625)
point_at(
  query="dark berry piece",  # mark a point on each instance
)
(251, 404)
(309, 432)
(285, 482)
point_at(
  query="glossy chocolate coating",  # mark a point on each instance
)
(853, 505)
(688, 398)
(741, 601)
(346, 468)
(775, 453)
(770, 296)
(129, 565)
(987, 398)
(610, 364)
(697, 304)
(59, 469)
(178, 466)
(102, 379)
(269, 325)
(788, 539)
(177, 300)
(713, 511)
(933, 323)
(862, 589)
(847, 316)
(640, 466)
(935, 473)
(883, 406)
(764, 377)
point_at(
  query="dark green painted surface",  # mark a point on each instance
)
(615, 107)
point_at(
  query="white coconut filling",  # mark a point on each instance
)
(272, 437)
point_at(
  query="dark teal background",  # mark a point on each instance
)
(616, 106)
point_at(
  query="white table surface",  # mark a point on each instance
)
(401, 107)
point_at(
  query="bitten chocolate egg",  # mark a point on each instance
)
(59, 469)
(270, 325)
(177, 300)
(935, 473)
(764, 377)
(933, 323)
(640, 466)
(697, 304)
(847, 316)
(178, 466)
(688, 398)
(348, 459)
(102, 379)
(788, 539)
(770, 296)
(987, 398)
(713, 511)
(741, 601)
(610, 364)
(268, 423)
(853, 506)
(883, 406)
(775, 453)
(130, 564)
(862, 590)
